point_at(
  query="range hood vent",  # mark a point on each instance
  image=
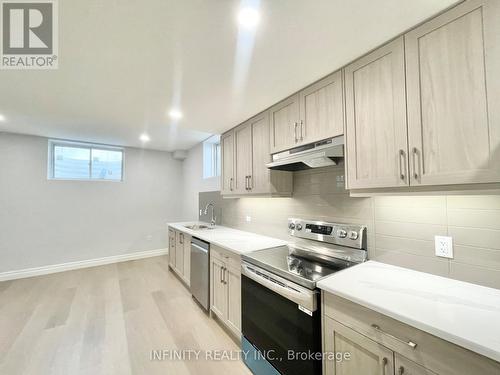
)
(315, 155)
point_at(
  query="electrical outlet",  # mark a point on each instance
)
(443, 246)
(248, 219)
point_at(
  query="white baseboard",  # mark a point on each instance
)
(45, 270)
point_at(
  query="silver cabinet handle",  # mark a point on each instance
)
(301, 130)
(220, 274)
(414, 159)
(401, 163)
(250, 182)
(401, 370)
(410, 343)
(231, 184)
(181, 238)
(295, 131)
(246, 182)
(224, 277)
(383, 365)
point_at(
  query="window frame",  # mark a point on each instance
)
(86, 146)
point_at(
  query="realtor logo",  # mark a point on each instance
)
(29, 34)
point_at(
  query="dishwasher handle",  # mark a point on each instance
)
(199, 248)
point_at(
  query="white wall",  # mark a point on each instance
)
(194, 183)
(45, 222)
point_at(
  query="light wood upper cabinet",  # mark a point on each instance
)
(227, 158)
(284, 124)
(243, 157)
(453, 79)
(322, 109)
(259, 177)
(376, 130)
(366, 356)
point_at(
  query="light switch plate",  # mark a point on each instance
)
(443, 246)
(248, 219)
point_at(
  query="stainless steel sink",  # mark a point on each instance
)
(198, 227)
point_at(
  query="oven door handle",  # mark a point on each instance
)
(301, 296)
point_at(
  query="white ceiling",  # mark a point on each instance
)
(124, 63)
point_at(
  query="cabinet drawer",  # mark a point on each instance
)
(228, 257)
(425, 349)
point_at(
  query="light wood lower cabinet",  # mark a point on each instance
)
(180, 254)
(233, 279)
(370, 337)
(171, 247)
(406, 367)
(360, 355)
(225, 288)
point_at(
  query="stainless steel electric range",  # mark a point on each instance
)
(281, 319)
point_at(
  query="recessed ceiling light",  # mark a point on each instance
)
(2, 118)
(248, 17)
(175, 114)
(144, 137)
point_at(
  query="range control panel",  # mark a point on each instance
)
(351, 235)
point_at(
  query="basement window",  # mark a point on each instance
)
(211, 157)
(84, 161)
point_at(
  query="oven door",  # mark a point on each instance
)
(281, 320)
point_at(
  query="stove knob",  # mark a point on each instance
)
(353, 235)
(299, 226)
(342, 233)
(291, 226)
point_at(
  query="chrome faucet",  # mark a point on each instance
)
(212, 222)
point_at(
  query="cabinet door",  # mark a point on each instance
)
(453, 78)
(322, 109)
(227, 144)
(260, 176)
(219, 291)
(243, 160)
(179, 252)
(187, 259)
(376, 131)
(406, 367)
(284, 123)
(233, 280)
(366, 356)
(171, 247)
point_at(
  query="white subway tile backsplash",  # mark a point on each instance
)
(401, 229)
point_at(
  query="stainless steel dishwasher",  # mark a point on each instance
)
(200, 275)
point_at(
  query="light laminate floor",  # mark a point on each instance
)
(107, 320)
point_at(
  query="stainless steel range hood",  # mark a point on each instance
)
(314, 155)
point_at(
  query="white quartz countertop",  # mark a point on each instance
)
(462, 313)
(230, 239)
